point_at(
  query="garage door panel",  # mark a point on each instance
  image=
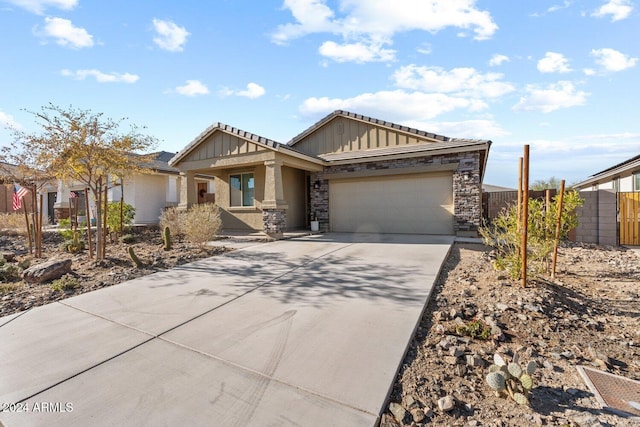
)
(421, 204)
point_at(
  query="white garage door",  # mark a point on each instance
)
(414, 204)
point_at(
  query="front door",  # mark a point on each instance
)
(202, 192)
(51, 201)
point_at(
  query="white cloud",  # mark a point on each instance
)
(425, 49)
(395, 105)
(461, 81)
(7, 121)
(497, 60)
(192, 88)
(554, 62)
(169, 36)
(356, 52)
(100, 76)
(589, 71)
(553, 97)
(252, 91)
(373, 23)
(38, 6)
(612, 60)
(66, 34)
(618, 9)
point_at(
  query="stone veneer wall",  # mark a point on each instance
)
(274, 221)
(467, 195)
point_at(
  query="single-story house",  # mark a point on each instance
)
(149, 193)
(611, 211)
(351, 173)
(623, 177)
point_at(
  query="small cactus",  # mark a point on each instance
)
(134, 258)
(509, 379)
(166, 236)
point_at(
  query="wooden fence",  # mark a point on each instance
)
(629, 206)
(493, 203)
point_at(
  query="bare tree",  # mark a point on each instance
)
(81, 146)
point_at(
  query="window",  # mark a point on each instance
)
(636, 181)
(241, 189)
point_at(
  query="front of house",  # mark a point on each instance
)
(351, 172)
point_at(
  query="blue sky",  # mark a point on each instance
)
(561, 76)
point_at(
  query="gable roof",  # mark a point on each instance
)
(256, 139)
(625, 168)
(383, 123)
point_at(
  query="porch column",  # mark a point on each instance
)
(61, 206)
(188, 196)
(274, 207)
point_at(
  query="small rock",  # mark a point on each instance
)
(417, 414)
(451, 360)
(445, 404)
(456, 351)
(548, 365)
(474, 360)
(398, 411)
(388, 421)
(502, 307)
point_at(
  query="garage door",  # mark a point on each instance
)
(414, 204)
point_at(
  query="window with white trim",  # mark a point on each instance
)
(636, 181)
(241, 188)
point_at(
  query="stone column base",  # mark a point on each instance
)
(60, 213)
(273, 222)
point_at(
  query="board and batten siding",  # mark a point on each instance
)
(221, 144)
(344, 135)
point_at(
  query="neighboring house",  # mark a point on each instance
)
(351, 172)
(611, 211)
(149, 193)
(623, 177)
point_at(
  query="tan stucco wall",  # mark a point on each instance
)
(240, 218)
(343, 135)
(294, 194)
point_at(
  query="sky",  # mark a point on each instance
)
(560, 76)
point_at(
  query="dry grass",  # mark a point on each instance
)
(202, 223)
(6, 288)
(12, 223)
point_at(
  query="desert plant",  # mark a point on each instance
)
(113, 217)
(202, 223)
(166, 237)
(10, 272)
(128, 238)
(476, 329)
(75, 244)
(510, 379)
(64, 228)
(503, 234)
(173, 218)
(65, 283)
(5, 288)
(134, 258)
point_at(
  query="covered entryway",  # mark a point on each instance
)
(415, 204)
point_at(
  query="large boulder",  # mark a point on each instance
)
(49, 270)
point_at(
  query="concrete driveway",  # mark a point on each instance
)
(309, 332)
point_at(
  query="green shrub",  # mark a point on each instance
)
(476, 329)
(5, 288)
(505, 236)
(113, 216)
(64, 228)
(202, 223)
(65, 283)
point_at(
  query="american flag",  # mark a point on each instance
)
(18, 194)
(73, 195)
